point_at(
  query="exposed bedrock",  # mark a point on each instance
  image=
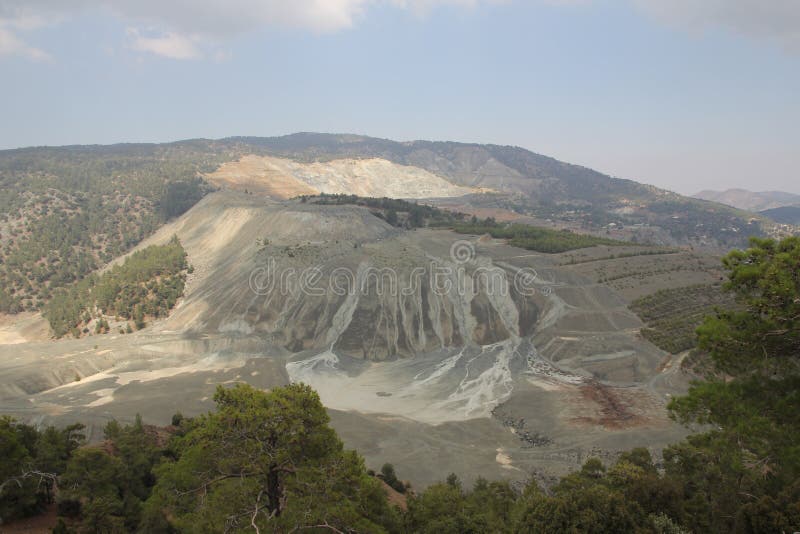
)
(312, 278)
(360, 307)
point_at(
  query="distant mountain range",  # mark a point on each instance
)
(750, 200)
(513, 179)
(783, 215)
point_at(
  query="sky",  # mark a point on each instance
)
(682, 94)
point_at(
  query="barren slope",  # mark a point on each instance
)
(283, 178)
(484, 380)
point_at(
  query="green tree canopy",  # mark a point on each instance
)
(751, 455)
(269, 462)
(764, 336)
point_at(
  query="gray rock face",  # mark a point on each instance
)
(357, 286)
(383, 320)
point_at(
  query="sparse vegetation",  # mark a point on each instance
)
(577, 195)
(691, 219)
(620, 255)
(535, 238)
(400, 213)
(673, 315)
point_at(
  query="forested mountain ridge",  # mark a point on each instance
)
(505, 168)
(66, 211)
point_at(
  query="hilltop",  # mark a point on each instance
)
(521, 183)
(750, 200)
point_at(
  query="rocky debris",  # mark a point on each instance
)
(517, 425)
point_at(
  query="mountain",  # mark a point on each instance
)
(253, 260)
(65, 211)
(783, 214)
(501, 168)
(749, 200)
(517, 182)
(417, 340)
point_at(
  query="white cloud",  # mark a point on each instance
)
(182, 29)
(425, 6)
(218, 18)
(171, 45)
(188, 29)
(12, 45)
(773, 20)
(225, 18)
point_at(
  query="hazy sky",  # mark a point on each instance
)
(684, 94)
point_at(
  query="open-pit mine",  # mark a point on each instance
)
(436, 351)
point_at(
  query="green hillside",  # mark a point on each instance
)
(146, 285)
(64, 212)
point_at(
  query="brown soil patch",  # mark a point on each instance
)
(613, 409)
(666, 363)
(394, 497)
(38, 524)
(256, 175)
(499, 214)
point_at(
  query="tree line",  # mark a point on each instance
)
(399, 213)
(534, 237)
